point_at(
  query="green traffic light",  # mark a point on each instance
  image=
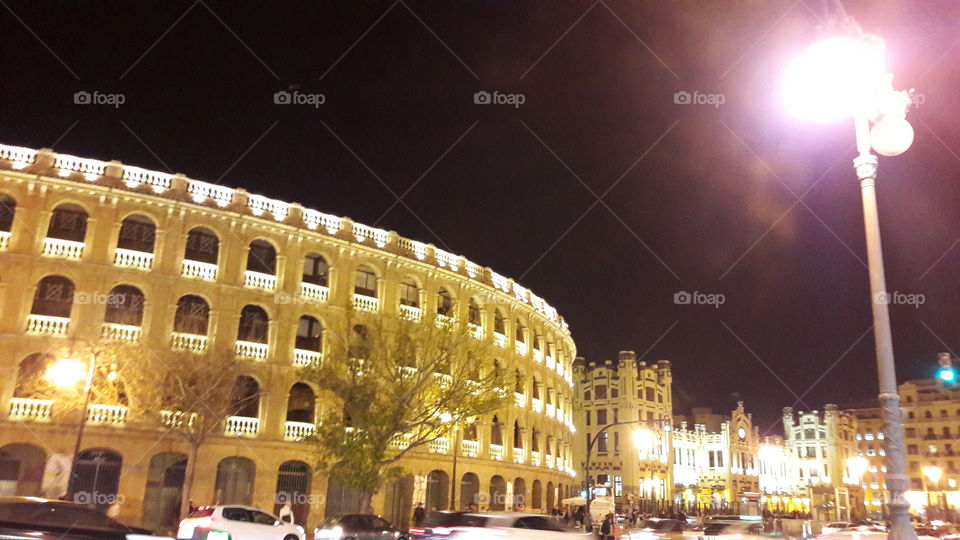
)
(947, 375)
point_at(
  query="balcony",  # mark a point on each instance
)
(538, 356)
(410, 313)
(440, 445)
(521, 399)
(535, 459)
(249, 350)
(241, 426)
(469, 448)
(4, 240)
(62, 249)
(303, 358)
(519, 455)
(551, 410)
(551, 461)
(137, 260)
(314, 292)
(475, 330)
(365, 303)
(124, 333)
(560, 369)
(521, 348)
(496, 452)
(445, 321)
(47, 325)
(30, 409)
(194, 343)
(537, 404)
(551, 362)
(107, 414)
(177, 419)
(259, 280)
(199, 270)
(297, 431)
(499, 340)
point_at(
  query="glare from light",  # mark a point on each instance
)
(933, 473)
(891, 136)
(446, 417)
(833, 78)
(857, 465)
(66, 372)
(643, 439)
(947, 375)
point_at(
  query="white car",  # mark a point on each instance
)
(241, 522)
(493, 525)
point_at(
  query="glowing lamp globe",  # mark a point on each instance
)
(833, 78)
(66, 372)
(891, 136)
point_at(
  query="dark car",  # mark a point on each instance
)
(442, 524)
(46, 519)
(357, 527)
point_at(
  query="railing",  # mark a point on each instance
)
(259, 204)
(303, 358)
(241, 426)
(314, 292)
(551, 410)
(560, 369)
(199, 270)
(521, 399)
(47, 325)
(194, 343)
(440, 445)
(107, 414)
(519, 455)
(538, 356)
(551, 362)
(499, 339)
(469, 448)
(410, 313)
(496, 452)
(62, 249)
(365, 232)
(249, 350)
(201, 191)
(521, 348)
(501, 282)
(401, 442)
(4, 240)
(128, 258)
(445, 321)
(135, 176)
(18, 155)
(297, 431)
(537, 404)
(447, 260)
(91, 169)
(474, 270)
(365, 303)
(535, 459)
(121, 332)
(550, 461)
(412, 247)
(177, 419)
(315, 219)
(259, 280)
(30, 409)
(475, 330)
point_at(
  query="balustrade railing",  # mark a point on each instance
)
(303, 357)
(519, 455)
(297, 431)
(91, 169)
(537, 404)
(538, 356)
(241, 426)
(469, 448)
(199, 270)
(521, 348)
(18, 156)
(499, 339)
(47, 325)
(194, 343)
(249, 350)
(135, 176)
(201, 191)
(520, 399)
(410, 313)
(315, 219)
(440, 445)
(30, 409)
(125, 333)
(535, 459)
(259, 280)
(177, 419)
(259, 205)
(364, 233)
(314, 292)
(475, 330)
(107, 414)
(4, 240)
(62, 249)
(365, 303)
(496, 452)
(129, 258)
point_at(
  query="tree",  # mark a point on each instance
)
(393, 386)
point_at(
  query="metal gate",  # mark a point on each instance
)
(235, 477)
(293, 487)
(95, 478)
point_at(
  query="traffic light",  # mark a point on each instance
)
(947, 373)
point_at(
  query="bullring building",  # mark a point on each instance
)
(201, 265)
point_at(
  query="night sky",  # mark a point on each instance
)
(737, 199)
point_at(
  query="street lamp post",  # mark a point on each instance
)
(66, 372)
(835, 78)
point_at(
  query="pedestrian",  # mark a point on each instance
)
(587, 523)
(286, 513)
(418, 515)
(606, 528)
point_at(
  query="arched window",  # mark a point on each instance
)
(536, 342)
(520, 332)
(193, 315)
(246, 397)
(301, 403)
(254, 325)
(470, 432)
(499, 325)
(517, 435)
(68, 222)
(316, 271)
(366, 282)
(409, 292)
(498, 493)
(496, 433)
(536, 388)
(30, 374)
(309, 334)
(124, 306)
(202, 246)
(96, 472)
(518, 382)
(8, 206)
(444, 303)
(262, 258)
(137, 233)
(535, 441)
(473, 313)
(53, 298)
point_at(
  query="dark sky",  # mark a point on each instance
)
(711, 205)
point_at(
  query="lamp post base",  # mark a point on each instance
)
(898, 509)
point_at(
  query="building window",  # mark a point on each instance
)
(588, 417)
(600, 391)
(262, 258)
(444, 302)
(254, 325)
(68, 222)
(869, 436)
(499, 326)
(602, 443)
(602, 417)
(7, 208)
(586, 395)
(616, 443)
(125, 306)
(409, 293)
(616, 416)
(309, 334)
(617, 486)
(912, 449)
(315, 270)
(365, 283)
(911, 432)
(192, 315)
(473, 312)
(202, 246)
(614, 392)
(53, 297)
(649, 394)
(137, 233)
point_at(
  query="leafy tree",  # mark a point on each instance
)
(395, 386)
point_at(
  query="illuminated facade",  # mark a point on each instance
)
(201, 265)
(631, 462)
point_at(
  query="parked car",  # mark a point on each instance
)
(659, 529)
(357, 527)
(46, 519)
(720, 530)
(486, 525)
(241, 522)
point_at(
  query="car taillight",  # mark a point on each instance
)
(442, 531)
(417, 530)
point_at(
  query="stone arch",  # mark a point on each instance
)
(293, 487)
(234, 482)
(161, 500)
(470, 491)
(21, 469)
(536, 497)
(498, 493)
(438, 491)
(96, 477)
